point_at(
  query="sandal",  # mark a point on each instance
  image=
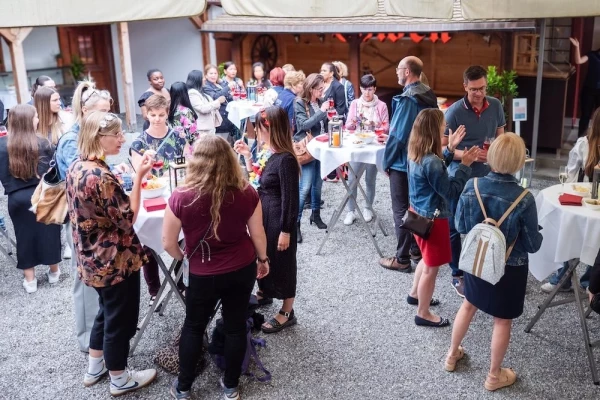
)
(451, 361)
(262, 300)
(413, 301)
(506, 378)
(276, 326)
(425, 322)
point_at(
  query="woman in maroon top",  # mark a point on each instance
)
(216, 209)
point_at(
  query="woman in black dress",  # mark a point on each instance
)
(275, 174)
(24, 158)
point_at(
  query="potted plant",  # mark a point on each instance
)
(221, 69)
(59, 60)
(502, 85)
(77, 67)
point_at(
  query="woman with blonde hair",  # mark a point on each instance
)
(430, 191)
(109, 253)
(275, 174)
(47, 104)
(24, 158)
(504, 300)
(293, 82)
(226, 248)
(348, 86)
(86, 99)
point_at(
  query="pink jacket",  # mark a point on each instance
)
(380, 115)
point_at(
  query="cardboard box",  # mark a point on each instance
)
(155, 204)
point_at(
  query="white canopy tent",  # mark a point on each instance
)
(18, 17)
(475, 9)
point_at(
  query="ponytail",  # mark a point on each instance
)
(78, 99)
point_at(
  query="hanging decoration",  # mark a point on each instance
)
(394, 37)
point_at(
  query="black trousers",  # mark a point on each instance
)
(201, 297)
(590, 100)
(400, 204)
(594, 287)
(116, 321)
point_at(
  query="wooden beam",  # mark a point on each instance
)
(354, 61)
(127, 75)
(15, 37)
(236, 50)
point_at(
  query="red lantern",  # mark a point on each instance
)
(434, 37)
(415, 37)
(446, 37)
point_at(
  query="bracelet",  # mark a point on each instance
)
(264, 260)
(448, 147)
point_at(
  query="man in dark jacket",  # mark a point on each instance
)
(405, 107)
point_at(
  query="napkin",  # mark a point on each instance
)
(567, 199)
(322, 138)
(156, 204)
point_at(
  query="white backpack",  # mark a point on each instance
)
(484, 251)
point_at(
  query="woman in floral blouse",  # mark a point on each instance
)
(182, 117)
(109, 254)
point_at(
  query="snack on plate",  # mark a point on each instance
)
(581, 189)
(365, 135)
(358, 142)
(593, 202)
(152, 183)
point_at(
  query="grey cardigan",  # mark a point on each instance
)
(308, 122)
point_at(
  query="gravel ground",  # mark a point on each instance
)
(355, 338)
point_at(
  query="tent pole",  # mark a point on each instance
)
(15, 38)
(127, 75)
(538, 90)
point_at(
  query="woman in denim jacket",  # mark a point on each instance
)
(504, 300)
(430, 189)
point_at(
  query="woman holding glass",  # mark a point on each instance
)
(215, 89)
(370, 113)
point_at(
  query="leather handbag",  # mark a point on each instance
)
(302, 154)
(49, 200)
(417, 224)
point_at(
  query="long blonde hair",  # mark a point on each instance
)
(50, 125)
(213, 170)
(86, 95)
(425, 137)
(593, 137)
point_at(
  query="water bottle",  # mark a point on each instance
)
(127, 182)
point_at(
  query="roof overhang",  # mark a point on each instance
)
(31, 13)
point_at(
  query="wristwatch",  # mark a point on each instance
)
(263, 260)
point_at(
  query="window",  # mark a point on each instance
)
(86, 49)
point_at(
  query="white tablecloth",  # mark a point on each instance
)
(149, 225)
(331, 158)
(569, 232)
(239, 110)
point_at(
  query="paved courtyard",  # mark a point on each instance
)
(355, 339)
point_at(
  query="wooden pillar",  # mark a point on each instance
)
(236, 52)
(127, 75)
(354, 62)
(15, 38)
(198, 21)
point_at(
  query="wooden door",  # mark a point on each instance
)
(93, 45)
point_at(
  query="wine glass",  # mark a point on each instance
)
(562, 177)
(3, 131)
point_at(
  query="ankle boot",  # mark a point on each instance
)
(315, 218)
(298, 234)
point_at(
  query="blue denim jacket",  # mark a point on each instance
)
(498, 192)
(66, 151)
(431, 188)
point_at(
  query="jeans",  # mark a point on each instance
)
(584, 280)
(370, 179)
(399, 192)
(116, 321)
(201, 297)
(310, 181)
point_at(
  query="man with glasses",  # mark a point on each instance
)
(415, 97)
(483, 118)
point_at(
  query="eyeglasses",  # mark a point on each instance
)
(475, 90)
(87, 95)
(118, 135)
(400, 69)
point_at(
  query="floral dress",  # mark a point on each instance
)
(108, 249)
(167, 149)
(184, 123)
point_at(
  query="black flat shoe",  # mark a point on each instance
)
(425, 322)
(415, 302)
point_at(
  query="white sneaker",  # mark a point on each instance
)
(548, 288)
(350, 218)
(67, 253)
(136, 380)
(53, 276)
(89, 379)
(30, 287)
(368, 214)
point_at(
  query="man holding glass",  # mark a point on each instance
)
(483, 118)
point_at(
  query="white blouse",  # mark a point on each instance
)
(577, 159)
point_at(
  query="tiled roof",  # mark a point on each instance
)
(380, 22)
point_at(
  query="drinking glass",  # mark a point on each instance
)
(331, 103)
(331, 113)
(3, 131)
(562, 177)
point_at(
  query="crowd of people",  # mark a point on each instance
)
(243, 229)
